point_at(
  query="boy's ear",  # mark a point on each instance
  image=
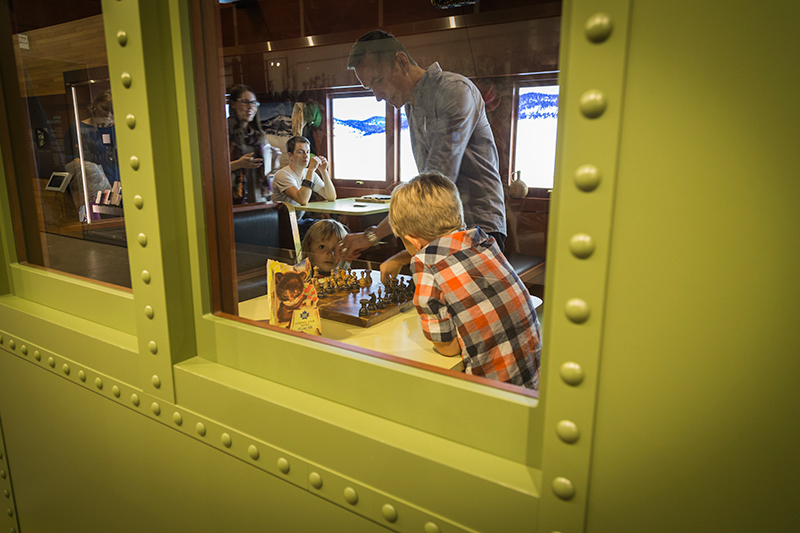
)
(418, 242)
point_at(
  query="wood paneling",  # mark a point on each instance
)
(55, 49)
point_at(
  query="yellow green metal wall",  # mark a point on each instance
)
(671, 344)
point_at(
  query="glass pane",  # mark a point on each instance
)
(359, 138)
(537, 119)
(74, 180)
(408, 167)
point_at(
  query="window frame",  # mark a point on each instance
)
(528, 80)
(390, 174)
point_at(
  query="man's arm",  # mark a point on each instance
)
(355, 243)
(328, 191)
(284, 183)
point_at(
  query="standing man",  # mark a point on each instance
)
(295, 182)
(449, 133)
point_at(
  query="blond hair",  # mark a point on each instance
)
(322, 230)
(428, 206)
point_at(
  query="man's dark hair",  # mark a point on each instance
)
(381, 44)
(290, 144)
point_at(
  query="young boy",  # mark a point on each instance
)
(469, 299)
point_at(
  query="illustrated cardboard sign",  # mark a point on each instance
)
(292, 297)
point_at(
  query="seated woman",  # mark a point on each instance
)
(319, 245)
(252, 157)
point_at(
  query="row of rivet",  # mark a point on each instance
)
(349, 494)
(4, 476)
(138, 202)
(592, 104)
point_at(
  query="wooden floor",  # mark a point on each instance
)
(89, 259)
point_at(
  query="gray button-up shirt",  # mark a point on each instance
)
(450, 133)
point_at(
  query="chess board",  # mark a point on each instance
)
(344, 305)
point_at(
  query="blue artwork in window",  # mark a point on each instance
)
(537, 123)
(359, 138)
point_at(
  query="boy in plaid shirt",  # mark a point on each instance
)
(469, 299)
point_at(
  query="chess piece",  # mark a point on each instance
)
(316, 272)
(381, 304)
(363, 280)
(372, 306)
(368, 275)
(364, 311)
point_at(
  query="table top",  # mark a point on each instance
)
(400, 335)
(345, 206)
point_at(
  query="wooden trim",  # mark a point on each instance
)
(19, 162)
(386, 357)
(215, 159)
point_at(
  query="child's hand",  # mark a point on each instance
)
(391, 267)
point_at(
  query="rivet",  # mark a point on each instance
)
(563, 488)
(51, 362)
(98, 383)
(598, 27)
(155, 408)
(350, 495)
(115, 391)
(568, 431)
(135, 399)
(283, 465)
(572, 373)
(134, 162)
(12, 344)
(130, 120)
(587, 178)
(24, 350)
(430, 527)
(389, 512)
(9, 512)
(148, 312)
(226, 440)
(593, 103)
(177, 418)
(156, 381)
(6, 494)
(146, 276)
(577, 310)
(138, 202)
(37, 355)
(153, 347)
(315, 479)
(2, 474)
(126, 79)
(1, 339)
(65, 369)
(122, 38)
(252, 451)
(1, 454)
(581, 245)
(81, 375)
(142, 238)
(201, 429)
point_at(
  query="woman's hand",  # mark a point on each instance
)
(247, 161)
